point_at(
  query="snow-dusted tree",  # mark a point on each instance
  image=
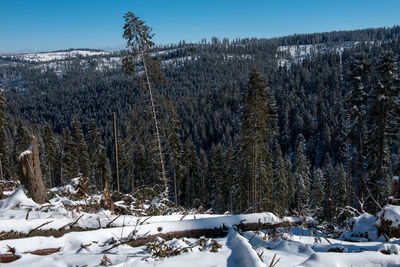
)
(22, 142)
(329, 174)
(4, 169)
(346, 157)
(258, 128)
(69, 165)
(49, 155)
(340, 187)
(317, 189)
(175, 166)
(192, 165)
(383, 123)
(80, 147)
(95, 145)
(290, 180)
(138, 36)
(280, 187)
(103, 169)
(359, 80)
(301, 173)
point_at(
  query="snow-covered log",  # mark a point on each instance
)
(388, 221)
(209, 227)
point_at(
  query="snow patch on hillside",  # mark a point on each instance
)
(61, 55)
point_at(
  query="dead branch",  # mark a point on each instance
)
(109, 224)
(45, 251)
(71, 224)
(43, 224)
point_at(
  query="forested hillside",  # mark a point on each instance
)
(328, 104)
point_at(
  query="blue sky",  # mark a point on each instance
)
(44, 25)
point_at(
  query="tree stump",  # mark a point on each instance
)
(31, 174)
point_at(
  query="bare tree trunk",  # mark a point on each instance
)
(1, 170)
(116, 151)
(156, 126)
(31, 174)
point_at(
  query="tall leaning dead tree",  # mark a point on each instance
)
(31, 174)
(138, 36)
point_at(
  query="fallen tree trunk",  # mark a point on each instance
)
(31, 174)
(197, 233)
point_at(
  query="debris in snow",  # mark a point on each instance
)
(388, 221)
(7, 258)
(45, 251)
(362, 228)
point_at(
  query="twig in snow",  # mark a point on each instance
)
(273, 262)
(109, 224)
(43, 224)
(71, 224)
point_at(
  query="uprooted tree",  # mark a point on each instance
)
(31, 174)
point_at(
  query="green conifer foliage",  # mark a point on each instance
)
(258, 126)
(49, 155)
(80, 148)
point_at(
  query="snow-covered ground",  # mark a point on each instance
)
(99, 238)
(297, 53)
(61, 55)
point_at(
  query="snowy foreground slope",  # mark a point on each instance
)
(99, 240)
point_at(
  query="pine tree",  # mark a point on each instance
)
(317, 189)
(103, 170)
(329, 173)
(22, 142)
(340, 186)
(49, 155)
(383, 124)
(192, 164)
(301, 173)
(359, 80)
(214, 176)
(176, 166)
(80, 147)
(290, 181)
(139, 42)
(258, 128)
(4, 168)
(280, 187)
(95, 145)
(69, 166)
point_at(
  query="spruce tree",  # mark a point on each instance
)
(280, 187)
(258, 128)
(317, 189)
(176, 166)
(69, 160)
(103, 169)
(4, 168)
(80, 147)
(301, 173)
(192, 165)
(383, 124)
(329, 174)
(139, 42)
(340, 185)
(290, 181)
(49, 155)
(359, 81)
(95, 145)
